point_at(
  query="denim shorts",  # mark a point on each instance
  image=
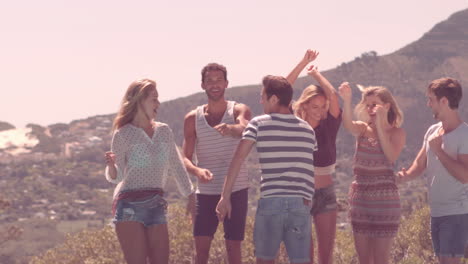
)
(149, 211)
(324, 200)
(283, 219)
(206, 222)
(449, 235)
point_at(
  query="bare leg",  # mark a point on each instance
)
(132, 239)
(202, 248)
(364, 248)
(325, 228)
(233, 249)
(158, 244)
(381, 249)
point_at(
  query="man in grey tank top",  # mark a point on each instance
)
(444, 158)
(211, 133)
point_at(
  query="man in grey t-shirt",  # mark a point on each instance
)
(444, 157)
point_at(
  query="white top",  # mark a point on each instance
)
(447, 195)
(143, 162)
(214, 152)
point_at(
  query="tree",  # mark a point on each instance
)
(11, 232)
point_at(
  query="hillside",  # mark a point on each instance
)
(56, 184)
(443, 51)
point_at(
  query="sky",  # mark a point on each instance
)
(66, 60)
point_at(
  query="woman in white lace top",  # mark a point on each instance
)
(143, 156)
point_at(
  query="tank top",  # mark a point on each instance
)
(214, 152)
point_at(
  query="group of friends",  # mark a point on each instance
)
(296, 145)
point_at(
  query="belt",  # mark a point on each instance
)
(135, 195)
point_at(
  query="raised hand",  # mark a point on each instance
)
(345, 92)
(381, 114)
(312, 70)
(310, 56)
(435, 141)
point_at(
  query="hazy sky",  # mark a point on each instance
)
(64, 60)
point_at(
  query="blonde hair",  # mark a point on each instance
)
(310, 92)
(136, 92)
(394, 116)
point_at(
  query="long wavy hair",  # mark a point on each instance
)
(136, 92)
(394, 116)
(310, 92)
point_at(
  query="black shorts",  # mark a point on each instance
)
(206, 221)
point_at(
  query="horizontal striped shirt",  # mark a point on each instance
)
(285, 145)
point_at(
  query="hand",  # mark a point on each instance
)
(110, 158)
(312, 70)
(223, 208)
(191, 208)
(381, 114)
(310, 56)
(204, 175)
(223, 128)
(345, 92)
(435, 142)
(401, 176)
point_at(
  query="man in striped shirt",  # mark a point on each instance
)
(212, 132)
(285, 145)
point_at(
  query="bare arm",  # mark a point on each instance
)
(329, 90)
(111, 170)
(242, 115)
(224, 205)
(354, 127)
(417, 167)
(188, 148)
(391, 139)
(456, 167)
(309, 56)
(392, 142)
(115, 159)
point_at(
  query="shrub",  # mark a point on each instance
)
(412, 245)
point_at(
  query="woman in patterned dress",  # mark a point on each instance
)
(374, 198)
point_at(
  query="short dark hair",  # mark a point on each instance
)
(448, 88)
(279, 86)
(213, 67)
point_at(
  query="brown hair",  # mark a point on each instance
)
(213, 67)
(448, 88)
(136, 92)
(279, 86)
(310, 92)
(394, 116)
